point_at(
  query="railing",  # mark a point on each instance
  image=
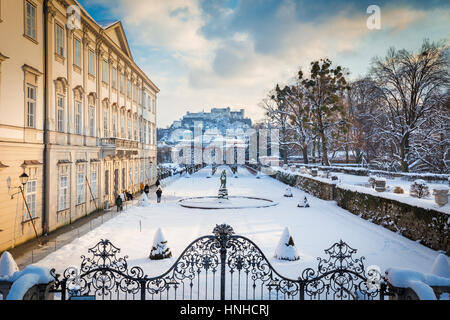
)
(120, 143)
(220, 266)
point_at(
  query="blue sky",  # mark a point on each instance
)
(219, 53)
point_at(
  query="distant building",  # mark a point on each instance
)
(213, 123)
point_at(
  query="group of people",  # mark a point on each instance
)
(126, 195)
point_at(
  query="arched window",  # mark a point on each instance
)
(92, 117)
(105, 119)
(60, 89)
(78, 110)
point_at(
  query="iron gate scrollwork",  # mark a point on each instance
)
(219, 266)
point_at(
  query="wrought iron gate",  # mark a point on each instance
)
(219, 266)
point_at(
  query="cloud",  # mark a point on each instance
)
(211, 53)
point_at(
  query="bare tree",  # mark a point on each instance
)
(411, 86)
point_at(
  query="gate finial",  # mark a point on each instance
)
(223, 233)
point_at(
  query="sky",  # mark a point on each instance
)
(231, 53)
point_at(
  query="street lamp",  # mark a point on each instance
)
(23, 180)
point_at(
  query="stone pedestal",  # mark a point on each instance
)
(440, 196)
(223, 193)
(380, 185)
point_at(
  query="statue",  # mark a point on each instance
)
(223, 180)
(223, 192)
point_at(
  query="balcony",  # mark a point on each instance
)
(121, 148)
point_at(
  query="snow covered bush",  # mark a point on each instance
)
(160, 250)
(288, 193)
(371, 181)
(419, 189)
(304, 203)
(286, 249)
(7, 265)
(421, 283)
(143, 201)
(399, 190)
(441, 266)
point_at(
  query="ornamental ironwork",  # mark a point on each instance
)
(219, 266)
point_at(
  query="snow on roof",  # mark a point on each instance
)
(7, 265)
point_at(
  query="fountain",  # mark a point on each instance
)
(225, 201)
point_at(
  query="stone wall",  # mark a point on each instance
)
(429, 227)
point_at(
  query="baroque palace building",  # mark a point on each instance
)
(77, 115)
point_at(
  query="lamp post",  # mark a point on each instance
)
(23, 180)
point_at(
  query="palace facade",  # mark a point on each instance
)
(77, 115)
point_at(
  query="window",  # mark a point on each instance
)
(129, 89)
(30, 190)
(30, 20)
(134, 93)
(150, 134)
(91, 62)
(114, 78)
(135, 130)
(136, 181)
(145, 133)
(107, 182)
(80, 185)
(78, 117)
(105, 68)
(122, 125)
(114, 125)
(31, 106)
(142, 173)
(124, 176)
(60, 113)
(105, 123)
(122, 83)
(77, 52)
(63, 192)
(130, 173)
(59, 40)
(129, 128)
(94, 183)
(143, 99)
(92, 121)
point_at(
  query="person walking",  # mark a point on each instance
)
(146, 189)
(157, 183)
(142, 187)
(158, 194)
(119, 203)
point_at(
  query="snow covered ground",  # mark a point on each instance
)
(313, 229)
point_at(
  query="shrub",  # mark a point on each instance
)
(419, 189)
(399, 190)
(372, 181)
